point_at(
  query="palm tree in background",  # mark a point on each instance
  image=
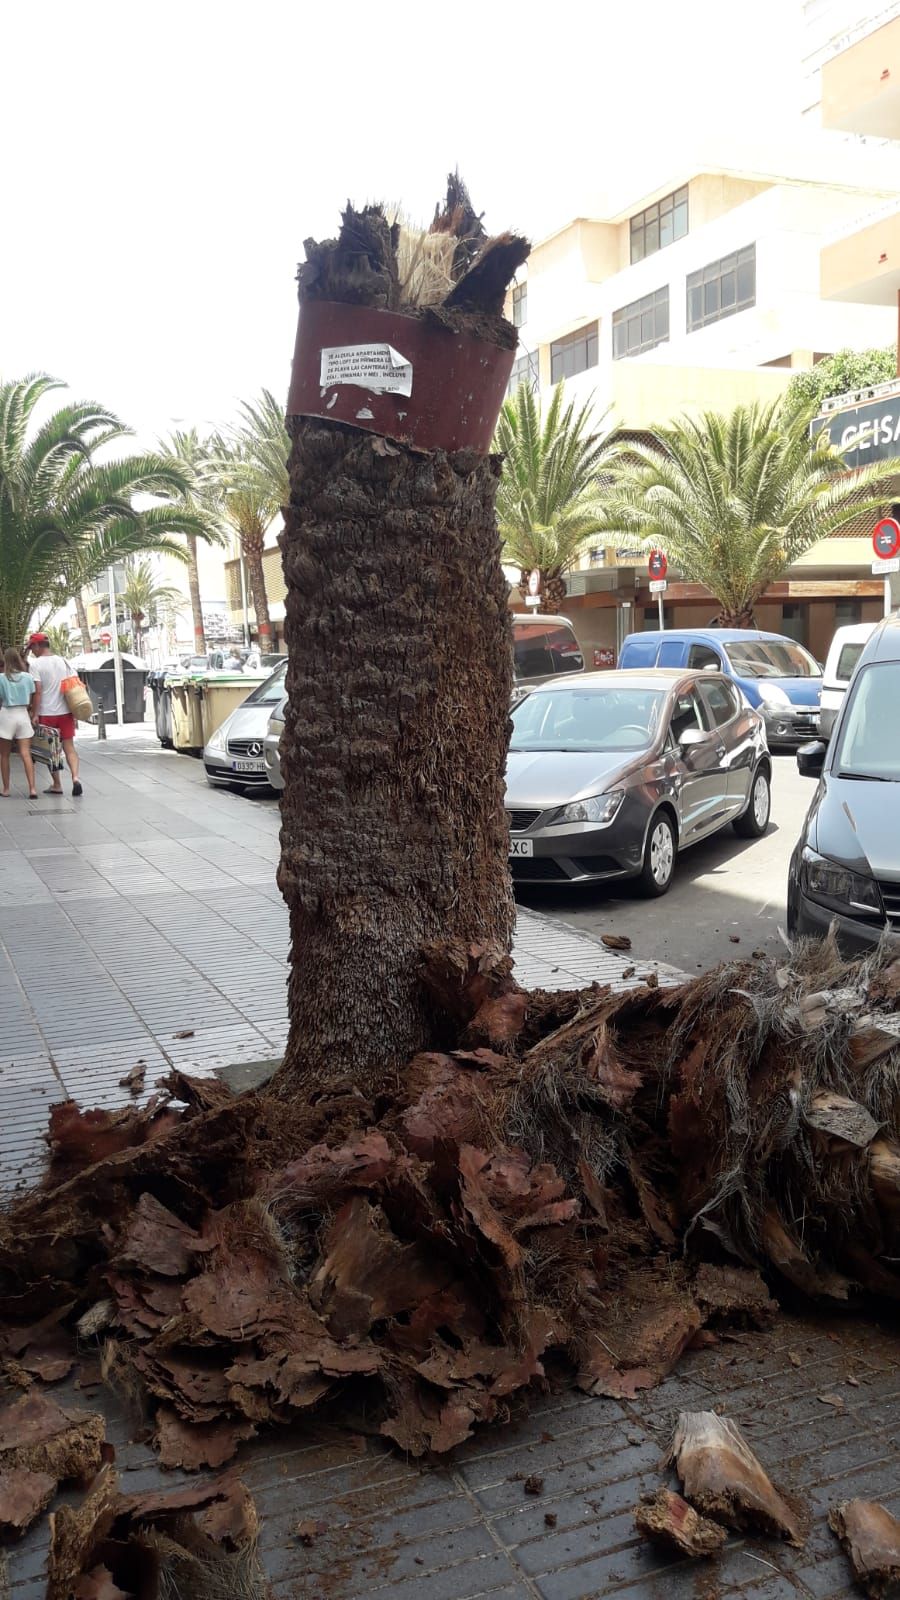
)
(733, 500)
(548, 506)
(194, 455)
(249, 466)
(65, 515)
(144, 597)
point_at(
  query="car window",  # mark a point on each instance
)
(270, 691)
(771, 658)
(570, 718)
(720, 700)
(686, 714)
(870, 731)
(701, 655)
(847, 660)
(542, 650)
(671, 653)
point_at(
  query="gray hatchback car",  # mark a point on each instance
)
(611, 774)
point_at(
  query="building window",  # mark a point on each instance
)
(659, 225)
(525, 369)
(641, 325)
(721, 288)
(847, 612)
(574, 354)
(650, 618)
(520, 304)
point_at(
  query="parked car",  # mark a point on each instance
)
(846, 866)
(272, 751)
(544, 647)
(843, 653)
(778, 677)
(612, 774)
(235, 755)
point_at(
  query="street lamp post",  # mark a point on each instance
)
(117, 654)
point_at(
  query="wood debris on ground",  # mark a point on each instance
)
(722, 1477)
(870, 1536)
(668, 1520)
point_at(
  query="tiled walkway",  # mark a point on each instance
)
(148, 910)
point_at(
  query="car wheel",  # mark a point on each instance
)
(755, 820)
(659, 856)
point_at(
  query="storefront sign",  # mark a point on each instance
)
(870, 432)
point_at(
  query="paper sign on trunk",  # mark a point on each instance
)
(377, 367)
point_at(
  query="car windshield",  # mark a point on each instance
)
(771, 658)
(587, 719)
(269, 692)
(870, 734)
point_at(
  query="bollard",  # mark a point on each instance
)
(101, 723)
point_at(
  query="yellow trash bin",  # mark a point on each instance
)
(187, 723)
(222, 693)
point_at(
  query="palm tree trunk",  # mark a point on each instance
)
(194, 591)
(393, 827)
(256, 577)
(82, 619)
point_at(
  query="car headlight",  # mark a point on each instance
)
(771, 695)
(838, 887)
(217, 740)
(597, 808)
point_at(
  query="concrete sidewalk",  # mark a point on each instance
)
(148, 910)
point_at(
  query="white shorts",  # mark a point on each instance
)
(15, 723)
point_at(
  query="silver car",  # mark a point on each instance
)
(235, 755)
(272, 743)
(611, 774)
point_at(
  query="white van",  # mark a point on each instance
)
(843, 653)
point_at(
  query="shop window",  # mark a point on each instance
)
(722, 288)
(847, 612)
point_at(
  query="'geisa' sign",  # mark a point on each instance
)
(865, 433)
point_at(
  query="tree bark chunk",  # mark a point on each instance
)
(870, 1536)
(669, 1521)
(722, 1477)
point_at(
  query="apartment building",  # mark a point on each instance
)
(702, 292)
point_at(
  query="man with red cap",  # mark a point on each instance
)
(49, 672)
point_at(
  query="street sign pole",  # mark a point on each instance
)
(662, 613)
(887, 595)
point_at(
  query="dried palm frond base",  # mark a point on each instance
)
(870, 1536)
(582, 1178)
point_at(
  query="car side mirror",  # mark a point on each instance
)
(690, 737)
(811, 759)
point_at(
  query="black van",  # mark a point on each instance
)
(543, 647)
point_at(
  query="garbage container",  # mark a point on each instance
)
(97, 672)
(222, 693)
(187, 726)
(161, 690)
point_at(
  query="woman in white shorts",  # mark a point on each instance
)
(17, 696)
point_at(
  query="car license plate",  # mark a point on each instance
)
(521, 847)
(248, 766)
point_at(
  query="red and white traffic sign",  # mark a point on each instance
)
(657, 564)
(886, 538)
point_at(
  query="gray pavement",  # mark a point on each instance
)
(145, 912)
(148, 910)
(724, 888)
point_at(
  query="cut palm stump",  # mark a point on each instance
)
(451, 1183)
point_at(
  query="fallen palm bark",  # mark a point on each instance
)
(669, 1521)
(199, 1542)
(870, 1535)
(593, 1189)
(721, 1476)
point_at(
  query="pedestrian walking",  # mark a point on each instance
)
(50, 672)
(18, 696)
